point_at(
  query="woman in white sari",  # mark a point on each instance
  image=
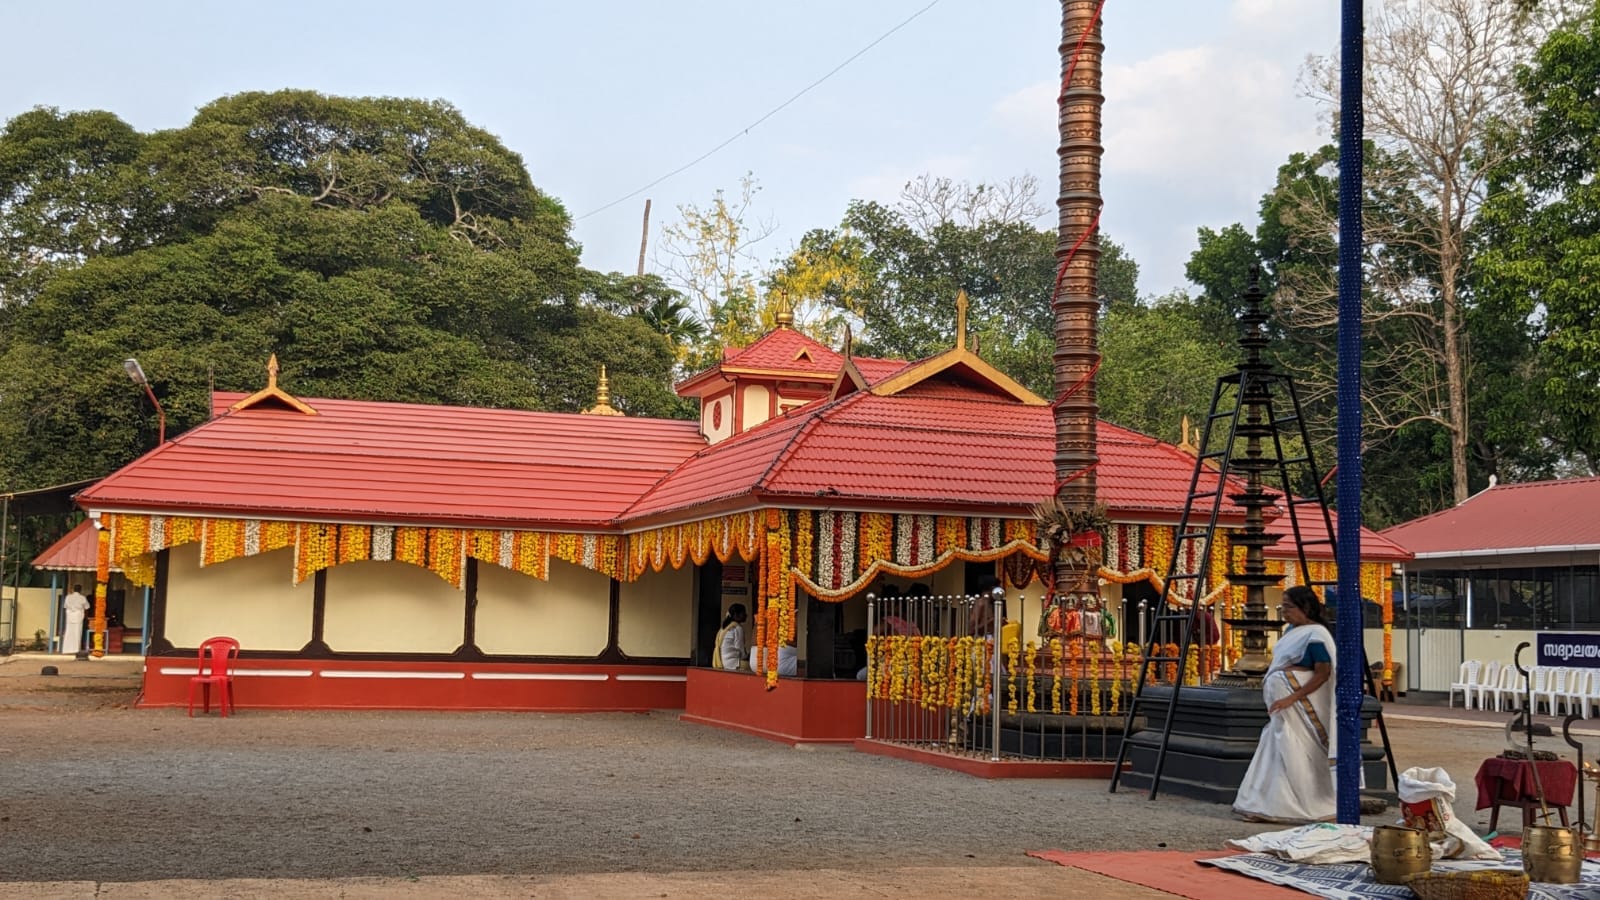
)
(1291, 777)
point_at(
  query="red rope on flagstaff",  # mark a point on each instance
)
(1061, 272)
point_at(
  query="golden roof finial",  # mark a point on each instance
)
(785, 317)
(961, 320)
(273, 394)
(1184, 437)
(602, 397)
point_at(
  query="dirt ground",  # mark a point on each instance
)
(96, 791)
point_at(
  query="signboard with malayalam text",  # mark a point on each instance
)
(1573, 649)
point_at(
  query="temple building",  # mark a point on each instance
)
(372, 555)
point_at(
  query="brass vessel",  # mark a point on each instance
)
(1552, 854)
(1397, 852)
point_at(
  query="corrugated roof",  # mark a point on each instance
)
(395, 462)
(1531, 517)
(77, 551)
(1374, 546)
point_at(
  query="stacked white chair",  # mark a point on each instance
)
(1487, 683)
(1541, 686)
(1466, 682)
(1575, 698)
(1591, 697)
(1555, 689)
(1508, 687)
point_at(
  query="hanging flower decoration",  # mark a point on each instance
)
(1032, 662)
(1055, 675)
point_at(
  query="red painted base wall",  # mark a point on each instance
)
(327, 684)
(798, 711)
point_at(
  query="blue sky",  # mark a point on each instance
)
(604, 96)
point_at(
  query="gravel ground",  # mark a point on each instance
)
(97, 791)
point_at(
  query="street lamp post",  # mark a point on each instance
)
(131, 366)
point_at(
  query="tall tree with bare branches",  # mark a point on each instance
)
(1438, 73)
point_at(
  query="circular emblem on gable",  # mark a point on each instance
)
(716, 415)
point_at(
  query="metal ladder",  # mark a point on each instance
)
(1227, 403)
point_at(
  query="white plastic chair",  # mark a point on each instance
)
(1555, 687)
(1466, 682)
(1509, 686)
(1592, 695)
(1575, 697)
(1541, 685)
(1490, 678)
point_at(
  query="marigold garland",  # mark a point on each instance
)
(1055, 675)
(1033, 654)
(1013, 663)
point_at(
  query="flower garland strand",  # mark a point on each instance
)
(1033, 662)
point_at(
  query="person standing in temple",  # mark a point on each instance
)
(76, 606)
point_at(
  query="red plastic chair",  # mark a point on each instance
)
(217, 656)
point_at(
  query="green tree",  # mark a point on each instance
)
(895, 271)
(1540, 251)
(384, 249)
(1160, 365)
(63, 194)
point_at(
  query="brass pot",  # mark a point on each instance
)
(1398, 851)
(1551, 854)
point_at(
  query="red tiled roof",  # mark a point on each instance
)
(934, 445)
(394, 462)
(794, 354)
(77, 551)
(789, 350)
(1532, 517)
(876, 370)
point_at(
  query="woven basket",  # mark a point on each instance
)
(1485, 884)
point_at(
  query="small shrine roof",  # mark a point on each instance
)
(77, 551)
(1534, 517)
(788, 354)
(397, 462)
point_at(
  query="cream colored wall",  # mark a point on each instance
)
(655, 615)
(391, 607)
(713, 427)
(1372, 639)
(568, 615)
(1490, 644)
(757, 406)
(33, 612)
(252, 599)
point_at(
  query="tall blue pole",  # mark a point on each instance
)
(1351, 656)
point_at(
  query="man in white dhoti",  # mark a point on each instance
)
(1291, 778)
(76, 606)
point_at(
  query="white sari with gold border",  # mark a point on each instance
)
(1291, 777)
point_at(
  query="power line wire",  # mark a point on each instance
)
(770, 113)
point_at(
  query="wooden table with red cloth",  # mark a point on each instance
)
(1510, 782)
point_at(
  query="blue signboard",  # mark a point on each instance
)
(1573, 649)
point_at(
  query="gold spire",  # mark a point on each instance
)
(961, 319)
(272, 393)
(785, 317)
(1183, 437)
(602, 397)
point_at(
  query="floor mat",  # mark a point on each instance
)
(1173, 871)
(1353, 881)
